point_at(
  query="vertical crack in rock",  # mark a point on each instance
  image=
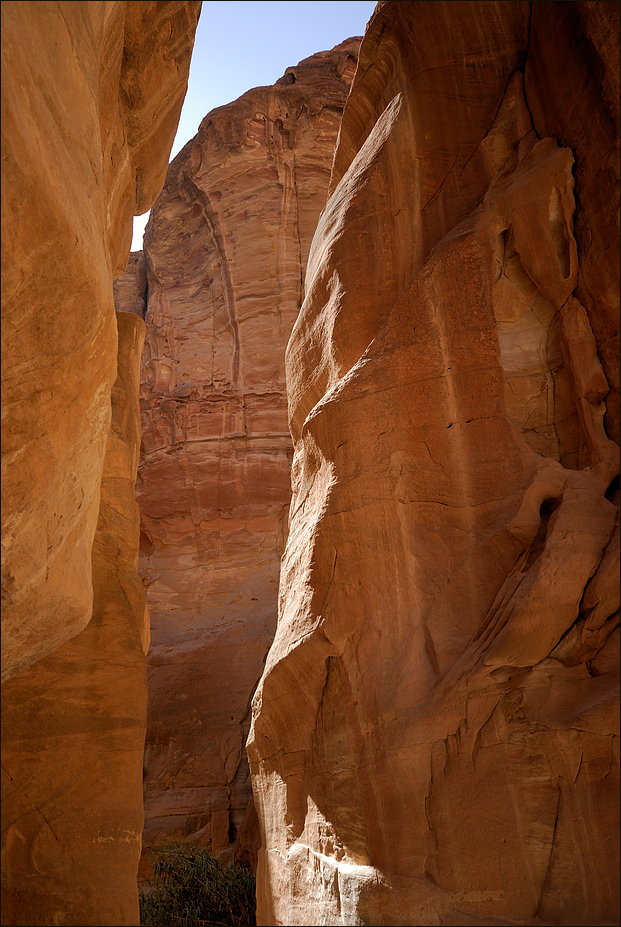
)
(546, 879)
(226, 248)
(219, 241)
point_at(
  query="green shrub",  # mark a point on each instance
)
(192, 888)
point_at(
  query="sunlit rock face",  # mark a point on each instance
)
(91, 96)
(435, 734)
(225, 249)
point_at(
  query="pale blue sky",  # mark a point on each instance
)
(241, 45)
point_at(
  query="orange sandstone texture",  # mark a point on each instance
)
(91, 95)
(225, 250)
(130, 290)
(73, 724)
(434, 738)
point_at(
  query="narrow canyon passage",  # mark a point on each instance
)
(310, 508)
(220, 283)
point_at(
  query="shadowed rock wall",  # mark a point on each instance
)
(73, 724)
(434, 738)
(91, 95)
(225, 252)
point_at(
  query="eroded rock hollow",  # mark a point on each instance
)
(221, 281)
(434, 738)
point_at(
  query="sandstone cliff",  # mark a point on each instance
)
(91, 94)
(225, 252)
(434, 738)
(73, 724)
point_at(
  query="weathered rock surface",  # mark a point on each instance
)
(73, 724)
(130, 290)
(579, 107)
(226, 247)
(435, 735)
(91, 95)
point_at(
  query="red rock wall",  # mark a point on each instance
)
(579, 106)
(225, 248)
(434, 738)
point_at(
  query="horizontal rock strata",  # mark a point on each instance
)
(434, 738)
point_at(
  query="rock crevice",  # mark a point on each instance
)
(226, 249)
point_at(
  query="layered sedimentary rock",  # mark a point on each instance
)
(73, 724)
(91, 95)
(226, 248)
(435, 735)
